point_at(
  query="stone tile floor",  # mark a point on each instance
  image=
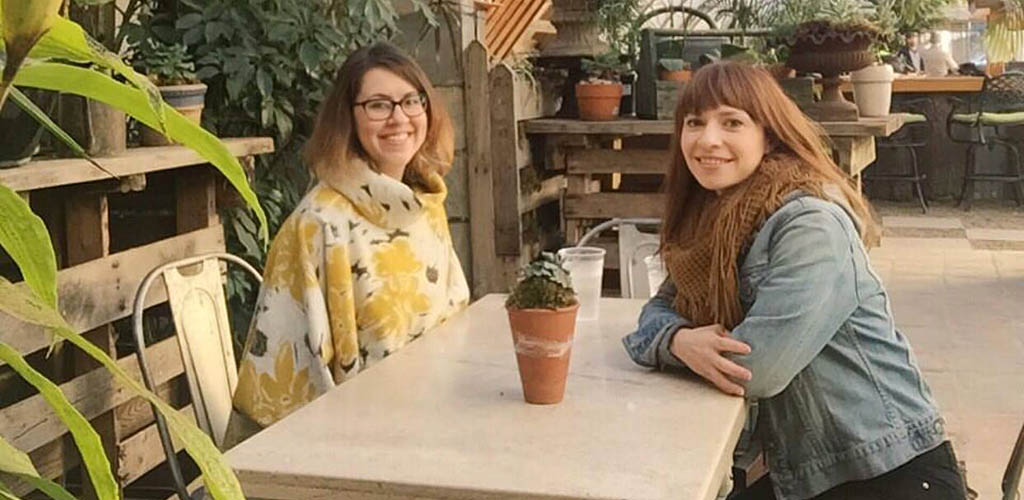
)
(961, 304)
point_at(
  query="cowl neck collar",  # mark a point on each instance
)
(384, 200)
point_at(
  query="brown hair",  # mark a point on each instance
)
(788, 130)
(334, 141)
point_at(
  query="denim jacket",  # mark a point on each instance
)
(840, 396)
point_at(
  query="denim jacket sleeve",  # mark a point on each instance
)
(808, 291)
(649, 344)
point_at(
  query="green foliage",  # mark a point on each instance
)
(542, 284)
(165, 64)
(607, 67)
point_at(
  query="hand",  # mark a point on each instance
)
(702, 350)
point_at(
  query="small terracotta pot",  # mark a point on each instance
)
(543, 344)
(598, 101)
(682, 75)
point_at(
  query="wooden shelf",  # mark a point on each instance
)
(63, 171)
(931, 84)
(865, 127)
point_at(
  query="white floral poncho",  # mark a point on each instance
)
(356, 272)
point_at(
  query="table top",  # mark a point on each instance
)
(930, 84)
(444, 418)
(864, 127)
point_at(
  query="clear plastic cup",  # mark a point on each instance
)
(585, 266)
(656, 272)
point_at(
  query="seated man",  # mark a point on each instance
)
(910, 56)
(938, 62)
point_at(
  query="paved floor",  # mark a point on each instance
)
(962, 307)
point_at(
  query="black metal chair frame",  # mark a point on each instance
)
(1000, 94)
(906, 138)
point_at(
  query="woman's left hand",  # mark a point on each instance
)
(703, 350)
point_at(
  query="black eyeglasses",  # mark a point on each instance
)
(381, 109)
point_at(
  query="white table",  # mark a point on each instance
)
(444, 418)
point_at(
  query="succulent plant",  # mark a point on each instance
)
(542, 284)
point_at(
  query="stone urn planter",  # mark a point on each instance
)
(831, 49)
(577, 32)
(542, 318)
(872, 89)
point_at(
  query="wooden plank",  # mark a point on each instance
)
(550, 190)
(136, 413)
(64, 171)
(88, 238)
(196, 199)
(143, 451)
(31, 423)
(607, 161)
(51, 460)
(878, 127)
(930, 84)
(854, 154)
(609, 205)
(508, 230)
(481, 182)
(102, 290)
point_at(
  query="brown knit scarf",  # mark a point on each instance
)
(704, 266)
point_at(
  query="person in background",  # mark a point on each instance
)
(365, 264)
(909, 54)
(938, 62)
(771, 297)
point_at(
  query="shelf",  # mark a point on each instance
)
(865, 127)
(64, 171)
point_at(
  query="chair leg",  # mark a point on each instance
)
(1019, 183)
(967, 189)
(917, 180)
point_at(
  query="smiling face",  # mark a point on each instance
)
(390, 142)
(722, 146)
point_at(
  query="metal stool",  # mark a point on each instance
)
(916, 132)
(1000, 105)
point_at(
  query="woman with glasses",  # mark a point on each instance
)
(365, 263)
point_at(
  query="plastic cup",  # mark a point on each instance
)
(585, 266)
(656, 272)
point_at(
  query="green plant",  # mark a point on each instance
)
(43, 50)
(674, 64)
(605, 67)
(164, 64)
(542, 284)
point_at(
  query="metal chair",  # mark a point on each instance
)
(634, 246)
(199, 310)
(1011, 478)
(999, 105)
(916, 132)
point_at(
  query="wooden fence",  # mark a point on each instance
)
(102, 260)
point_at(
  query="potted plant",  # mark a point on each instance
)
(542, 316)
(170, 68)
(676, 70)
(599, 96)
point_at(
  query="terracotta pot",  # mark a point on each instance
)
(187, 99)
(543, 343)
(781, 71)
(598, 101)
(682, 75)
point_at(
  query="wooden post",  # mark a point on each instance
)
(481, 181)
(196, 199)
(508, 224)
(88, 237)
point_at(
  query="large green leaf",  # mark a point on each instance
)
(24, 237)
(133, 101)
(13, 461)
(86, 439)
(219, 479)
(39, 115)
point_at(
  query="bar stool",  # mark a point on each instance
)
(1000, 106)
(916, 132)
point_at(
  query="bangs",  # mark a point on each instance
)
(715, 85)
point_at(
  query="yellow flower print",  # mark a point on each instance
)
(267, 399)
(290, 263)
(388, 313)
(437, 219)
(396, 258)
(341, 308)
